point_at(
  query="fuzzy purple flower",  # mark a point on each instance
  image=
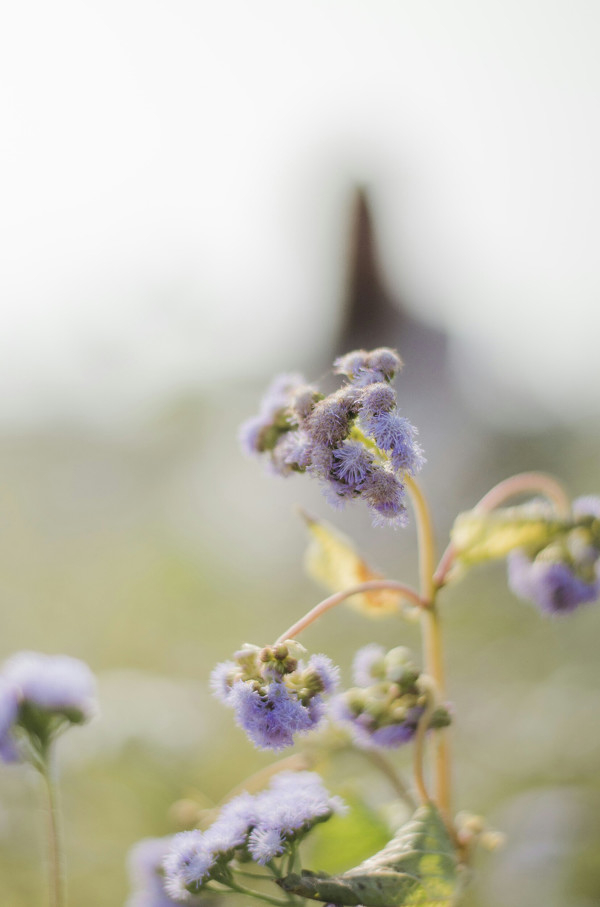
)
(272, 717)
(147, 875)
(352, 440)
(365, 367)
(187, 865)
(552, 585)
(293, 804)
(566, 573)
(384, 709)
(261, 433)
(53, 683)
(275, 694)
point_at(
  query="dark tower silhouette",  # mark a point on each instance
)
(374, 316)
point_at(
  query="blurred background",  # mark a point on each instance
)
(196, 195)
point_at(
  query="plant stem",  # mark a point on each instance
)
(279, 902)
(432, 640)
(419, 742)
(380, 762)
(57, 882)
(522, 483)
(373, 585)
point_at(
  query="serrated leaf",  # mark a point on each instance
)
(418, 868)
(332, 560)
(481, 537)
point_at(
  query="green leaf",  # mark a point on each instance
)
(418, 868)
(481, 537)
(333, 561)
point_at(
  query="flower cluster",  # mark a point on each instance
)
(353, 440)
(275, 694)
(565, 573)
(385, 707)
(40, 695)
(260, 828)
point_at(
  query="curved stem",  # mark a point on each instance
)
(432, 639)
(522, 483)
(425, 538)
(386, 768)
(55, 859)
(373, 585)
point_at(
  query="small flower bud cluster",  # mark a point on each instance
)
(385, 707)
(565, 573)
(41, 695)
(353, 440)
(260, 828)
(275, 694)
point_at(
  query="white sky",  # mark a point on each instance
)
(174, 178)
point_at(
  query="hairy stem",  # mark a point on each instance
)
(522, 483)
(373, 585)
(432, 640)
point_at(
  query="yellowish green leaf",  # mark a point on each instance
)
(487, 536)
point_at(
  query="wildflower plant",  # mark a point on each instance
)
(355, 442)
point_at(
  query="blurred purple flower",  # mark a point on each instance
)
(552, 585)
(52, 683)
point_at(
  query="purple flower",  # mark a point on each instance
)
(262, 432)
(272, 717)
(293, 804)
(552, 584)
(384, 493)
(53, 683)
(363, 367)
(353, 440)
(9, 709)
(326, 673)
(328, 423)
(368, 665)
(274, 692)
(376, 399)
(265, 844)
(385, 709)
(146, 873)
(352, 464)
(395, 434)
(187, 865)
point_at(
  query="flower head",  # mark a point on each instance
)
(385, 707)
(353, 440)
(565, 573)
(40, 695)
(147, 875)
(274, 692)
(53, 683)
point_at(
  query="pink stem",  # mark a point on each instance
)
(373, 585)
